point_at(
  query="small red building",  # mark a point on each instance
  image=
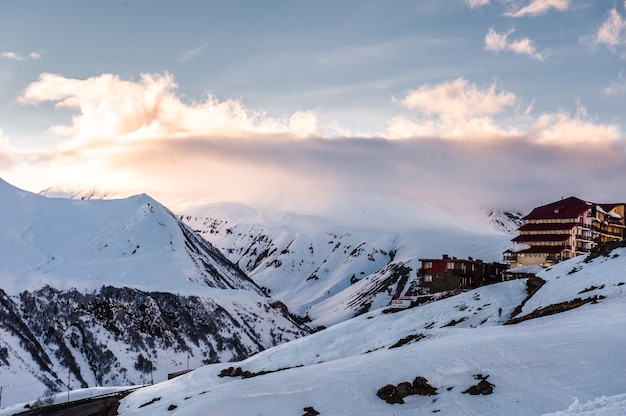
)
(451, 273)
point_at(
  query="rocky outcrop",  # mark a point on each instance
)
(396, 394)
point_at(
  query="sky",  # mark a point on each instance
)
(304, 105)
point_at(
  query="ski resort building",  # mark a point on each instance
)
(565, 229)
(451, 273)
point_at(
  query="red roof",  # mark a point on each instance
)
(608, 207)
(540, 237)
(543, 250)
(550, 226)
(570, 207)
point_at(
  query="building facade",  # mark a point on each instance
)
(450, 273)
(565, 229)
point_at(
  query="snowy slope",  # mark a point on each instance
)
(111, 291)
(134, 241)
(566, 362)
(505, 221)
(327, 271)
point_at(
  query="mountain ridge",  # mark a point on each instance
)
(111, 291)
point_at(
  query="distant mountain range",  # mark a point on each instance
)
(122, 291)
(551, 345)
(326, 271)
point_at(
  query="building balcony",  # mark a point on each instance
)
(589, 238)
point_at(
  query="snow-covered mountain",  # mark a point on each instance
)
(505, 221)
(326, 271)
(553, 345)
(112, 291)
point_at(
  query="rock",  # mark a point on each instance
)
(310, 411)
(483, 387)
(395, 394)
(386, 392)
(404, 389)
(422, 388)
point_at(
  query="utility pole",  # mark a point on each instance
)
(69, 374)
(1, 387)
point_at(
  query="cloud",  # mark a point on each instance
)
(9, 156)
(109, 107)
(497, 42)
(612, 33)
(17, 57)
(458, 97)
(13, 56)
(539, 7)
(564, 130)
(476, 3)
(453, 109)
(460, 110)
(458, 151)
(190, 54)
(616, 87)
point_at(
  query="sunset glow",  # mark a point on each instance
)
(292, 103)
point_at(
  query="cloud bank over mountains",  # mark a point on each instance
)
(454, 145)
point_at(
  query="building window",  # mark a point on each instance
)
(428, 264)
(428, 278)
(450, 265)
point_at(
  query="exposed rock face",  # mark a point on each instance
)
(96, 335)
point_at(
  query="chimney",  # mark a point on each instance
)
(445, 256)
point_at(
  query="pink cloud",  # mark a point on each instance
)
(454, 151)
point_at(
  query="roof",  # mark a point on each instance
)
(530, 269)
(543, 250)
(540, 237)
(550, 226)
(452, 259)
(606, 209)
(570, 207)
(609, 207)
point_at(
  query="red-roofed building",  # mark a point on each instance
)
(451, 273)
(565, 229)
